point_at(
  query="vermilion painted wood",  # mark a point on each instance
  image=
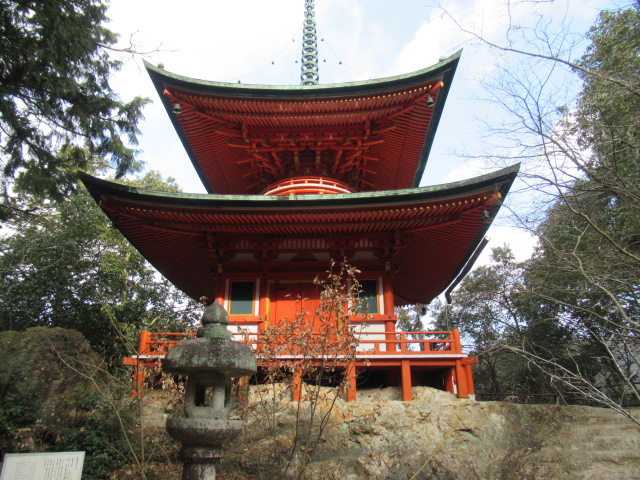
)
(302, 175)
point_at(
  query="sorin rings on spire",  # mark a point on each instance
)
(309, 74)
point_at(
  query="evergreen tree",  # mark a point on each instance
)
(58, 113)
(67, 266)
(410, 318)
(496, 315)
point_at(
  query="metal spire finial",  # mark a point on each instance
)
(309, 74)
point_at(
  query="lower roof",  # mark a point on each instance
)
(423, 236)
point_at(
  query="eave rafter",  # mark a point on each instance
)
(303, 223)
(276, 140)
(296, 229)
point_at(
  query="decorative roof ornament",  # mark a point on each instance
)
(309, 74)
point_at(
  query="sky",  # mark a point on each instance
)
(258, 42)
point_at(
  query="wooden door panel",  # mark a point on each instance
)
(291, 299)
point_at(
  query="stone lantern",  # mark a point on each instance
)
(209, 362)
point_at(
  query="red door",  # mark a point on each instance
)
(290, 301)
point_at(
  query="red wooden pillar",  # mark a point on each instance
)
(144, 347)
(139, 373)
(389, 324)
(456, 345)
(262, 312)
(296, 385)
(469, 372)
(461, 380)
(460, 370)
(221, 287)
(387, 292)
(390, 334)
(351, 382)
(264, 297)
(405, 368)
(449, 381)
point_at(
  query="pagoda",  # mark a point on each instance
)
(298, 176)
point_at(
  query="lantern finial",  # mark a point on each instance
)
(214, 322)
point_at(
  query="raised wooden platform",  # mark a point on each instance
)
(402, 359)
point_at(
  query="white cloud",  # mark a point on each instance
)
(469, 169)
(522, 242)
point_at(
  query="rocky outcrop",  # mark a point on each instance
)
(438, 436)
(41, 384)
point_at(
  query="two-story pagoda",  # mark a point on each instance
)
(300, 175)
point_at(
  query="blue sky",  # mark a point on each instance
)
(239, 40)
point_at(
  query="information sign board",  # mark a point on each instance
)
(42, 466)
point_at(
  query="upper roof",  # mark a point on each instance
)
(372, 135)
(426, 235)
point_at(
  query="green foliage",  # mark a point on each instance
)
(609, 106)
(607, 123)
(410, 318)
(94, 430)
(522, 317)
(494, 313)
(19, 411)
(56, 396)
(58, 113)
(67, 266)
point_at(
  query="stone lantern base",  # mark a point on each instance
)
(202, 440)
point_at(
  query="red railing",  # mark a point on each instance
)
(307, 185)
(408, 343)
(403, 345)
(154, 345)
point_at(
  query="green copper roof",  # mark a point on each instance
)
(360, 87)
(501, 179)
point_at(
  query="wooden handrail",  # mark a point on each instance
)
(154, 346)
(370, 342)
(379, 346)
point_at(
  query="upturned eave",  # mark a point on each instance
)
(394, 105)
(431, 232)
